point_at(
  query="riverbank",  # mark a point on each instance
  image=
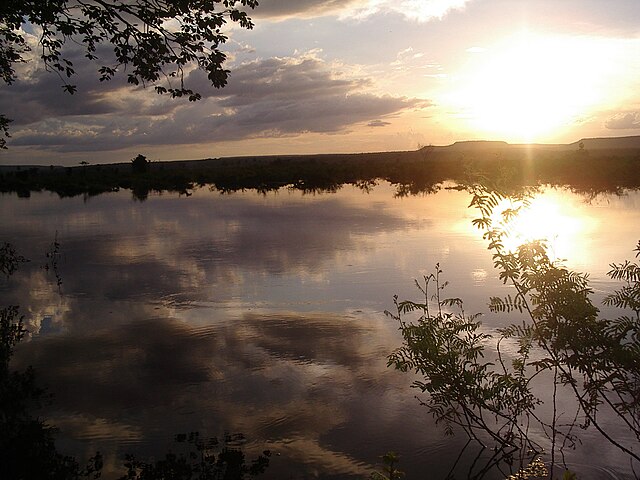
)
(589, 165)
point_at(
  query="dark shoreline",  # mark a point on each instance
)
(591, 165)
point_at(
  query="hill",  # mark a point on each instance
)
(603, 143)
(607, 143)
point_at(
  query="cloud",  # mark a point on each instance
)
(624, 121)
(416, 10)
(377, 123)
(309, 8)
(276, 97)
(423, 10)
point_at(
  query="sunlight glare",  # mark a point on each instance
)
(530, 85)
(546, 218)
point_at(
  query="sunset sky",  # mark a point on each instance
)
(358, 76)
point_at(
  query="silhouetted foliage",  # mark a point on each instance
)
(143, 39)
(561, 336)
(139, 164)
(464, 389)
(389, 471)
(204, 459)
(52, 257)
(4, 131)
(9, 259)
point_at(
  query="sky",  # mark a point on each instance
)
(356, 76)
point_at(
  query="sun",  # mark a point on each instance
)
(528, 85)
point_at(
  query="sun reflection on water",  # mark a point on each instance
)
(549, 217)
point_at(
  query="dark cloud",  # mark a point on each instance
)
(37, 94)
(624, 121)
(377, 123)
(269, 98)
(287, 8)
(290, 77)
(422, 11)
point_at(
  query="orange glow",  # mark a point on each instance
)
(548, 217)
(529, 86)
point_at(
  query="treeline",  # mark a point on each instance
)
(411, 172)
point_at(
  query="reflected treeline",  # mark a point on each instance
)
(597, 170)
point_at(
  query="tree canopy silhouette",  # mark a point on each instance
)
(153, 40)
(139, 164)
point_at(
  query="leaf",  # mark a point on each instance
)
(70, 89)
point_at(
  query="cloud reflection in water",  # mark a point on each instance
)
(247, 313)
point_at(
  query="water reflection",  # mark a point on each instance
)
(289, 380)
(550, 217)
(258, 314)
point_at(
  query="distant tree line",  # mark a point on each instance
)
(411, 172)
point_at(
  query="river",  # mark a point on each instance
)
(263, 314)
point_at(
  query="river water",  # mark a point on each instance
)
(264, 315)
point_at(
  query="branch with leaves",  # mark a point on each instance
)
(464, 389)
(153, 41)
(595, 358)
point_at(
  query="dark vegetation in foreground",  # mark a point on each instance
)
(610, 166)
(483, 383)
